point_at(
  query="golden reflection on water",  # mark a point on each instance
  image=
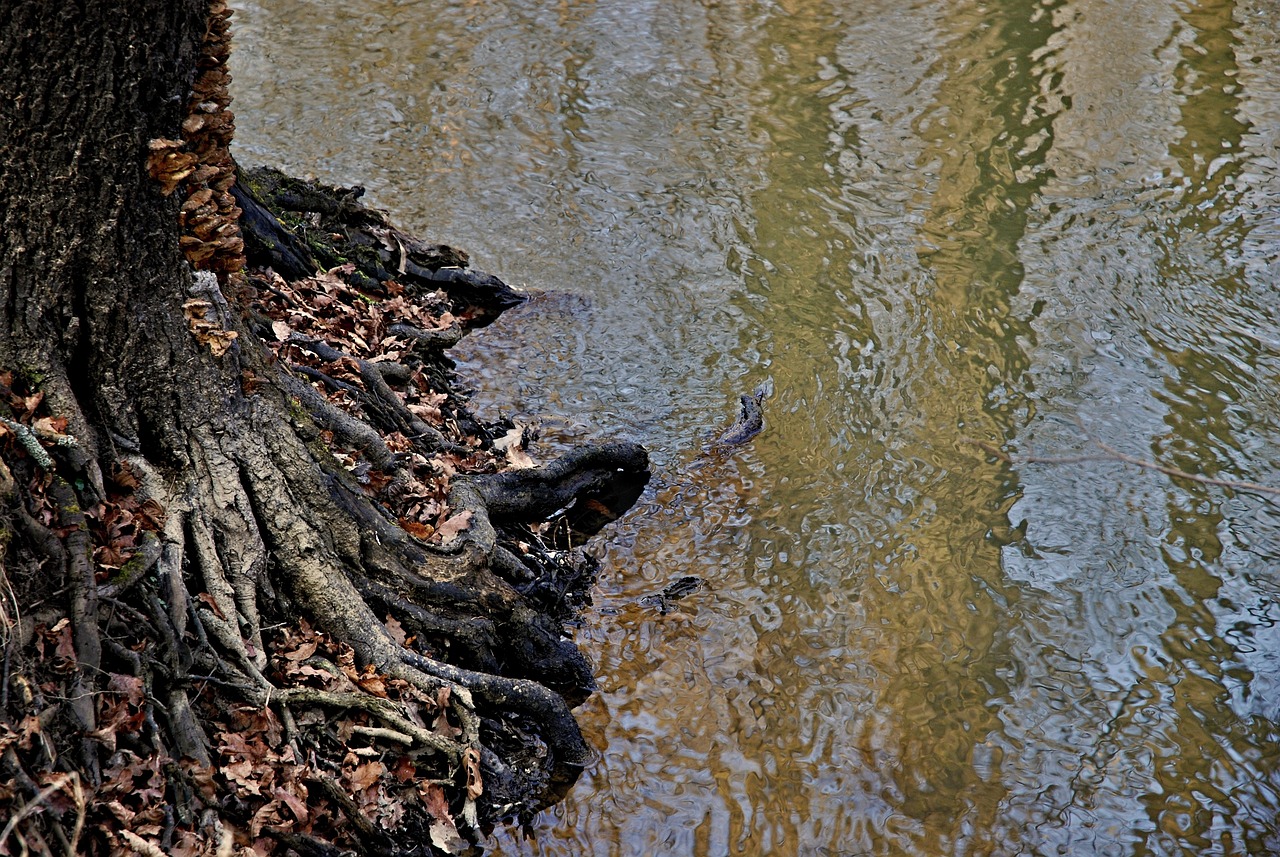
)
(1025, 223)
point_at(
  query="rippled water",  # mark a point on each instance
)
(1051, 227)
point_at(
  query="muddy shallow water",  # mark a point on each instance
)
(1050, 227)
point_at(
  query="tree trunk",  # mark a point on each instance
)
(217, 633)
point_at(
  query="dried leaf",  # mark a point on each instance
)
(110, 557)
(51, 425)
(105, 736)
(152, 515)
(139, 845)
(281, 329)
(367, 774)
(404, 770)
(471, 762)
(444, 833)
(242, 773)
(514, 437)
(236, 744)
(373, 684)
(206, 599)
(450, 529)
(66, 648)
(296, 805)
(120, 811)
(416, 529)
(395, 629)
(130, 687)
(512, 444)
(428, 405)
(469, 814)
(122, 474)
(304, 650)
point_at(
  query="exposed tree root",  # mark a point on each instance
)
(267, 585)
(425, 696)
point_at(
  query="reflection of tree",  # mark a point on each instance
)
(1206, 80)
(1122, 624)
(954, 200)
(981, 114)
(1206, 797)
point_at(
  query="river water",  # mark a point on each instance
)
(1049, 227)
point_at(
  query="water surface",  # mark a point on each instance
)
(1050, 227)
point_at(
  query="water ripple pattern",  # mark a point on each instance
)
(1051, 227)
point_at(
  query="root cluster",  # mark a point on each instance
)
(333, 620)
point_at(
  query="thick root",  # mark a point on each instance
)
(313, 612)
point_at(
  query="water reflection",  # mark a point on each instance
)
(1037, 225)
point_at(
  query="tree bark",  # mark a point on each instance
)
(217, 635)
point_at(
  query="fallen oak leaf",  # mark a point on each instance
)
(242, 774)
(451, 528)
(105, 736)
(443, 727)
(373, 684)
(444, 833)
(65, 648)
(122, 813)
(428, 409)
(235, 743)
(305, 649)
(123, 476)
(416, 529)
(140, 845)
(30, 403)
(395, 629)
(297, 805)
(367, 774)
(52, 427)
(130, 687)
(268, 815)
(152, 514)
(328, 678)
(512, 444)
(470, 814)
(404, 770)
(471, 762)
(111, 557)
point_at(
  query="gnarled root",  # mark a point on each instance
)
(315, 613)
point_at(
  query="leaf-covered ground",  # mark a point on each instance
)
(273, 782)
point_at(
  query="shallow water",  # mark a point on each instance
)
(1049, 227)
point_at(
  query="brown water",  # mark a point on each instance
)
(924, 222)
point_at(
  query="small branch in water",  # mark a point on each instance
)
(1110, 453)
